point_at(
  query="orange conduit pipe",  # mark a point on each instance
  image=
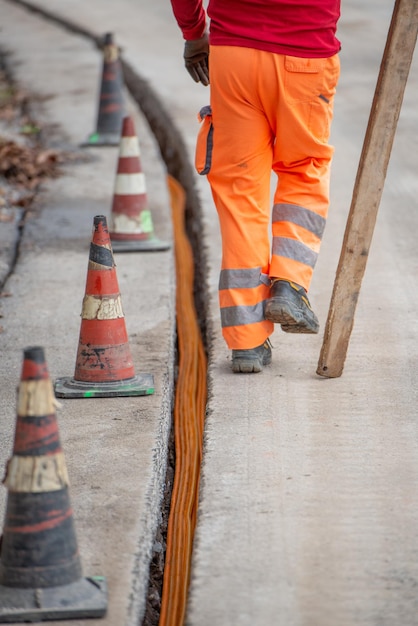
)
(189, 414)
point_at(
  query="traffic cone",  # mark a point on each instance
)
(40, 569)
(111, 101)
(104, 366)
(131, 226)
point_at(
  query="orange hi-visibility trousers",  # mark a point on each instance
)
(269, 112)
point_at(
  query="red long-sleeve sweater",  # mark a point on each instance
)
(304, 28)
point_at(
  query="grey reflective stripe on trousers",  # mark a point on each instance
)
(242, 279)
(292, 249)
(249, 278)
(240, 315)
(299, 215)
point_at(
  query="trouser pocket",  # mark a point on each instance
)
(204, 142)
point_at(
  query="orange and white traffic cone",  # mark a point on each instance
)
(104, 366)
(40, 568)
(111, 100)
(131, 226)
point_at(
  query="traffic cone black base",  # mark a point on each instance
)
(86, 597)
(140, 385)
(147, 245)
(101, 139)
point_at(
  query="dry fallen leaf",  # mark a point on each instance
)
(27, 166)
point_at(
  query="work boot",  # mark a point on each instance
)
(289, 306)
(252, 360)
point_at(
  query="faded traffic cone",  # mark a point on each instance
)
(104, 364)
(131, 225)
(111, 101)
(40, 569)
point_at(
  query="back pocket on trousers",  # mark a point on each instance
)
(303, 78)
(204, 142)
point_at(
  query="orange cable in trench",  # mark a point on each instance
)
(189, 415)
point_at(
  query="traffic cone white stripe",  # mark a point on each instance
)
(124, 224)
(36, 474)
(30, 402)
(130, 184)
(103, 308)
(129, 147)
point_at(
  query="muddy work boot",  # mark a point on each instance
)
(289, 306)
(252, 360)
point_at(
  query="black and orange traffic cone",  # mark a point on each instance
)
(104, 366)
(40, 568)
(131, 225)
(111, 101)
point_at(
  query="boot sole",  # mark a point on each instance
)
(245, 365)
(291, 318)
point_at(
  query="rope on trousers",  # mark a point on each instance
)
(189, 414)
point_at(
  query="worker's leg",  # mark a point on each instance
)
(301, 118)
(302, 160)
(240, 182)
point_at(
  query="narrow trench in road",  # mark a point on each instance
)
(179, 169)
(167, 607)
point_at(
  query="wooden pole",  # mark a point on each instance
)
(368, 186)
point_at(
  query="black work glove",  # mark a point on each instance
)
(196, 59)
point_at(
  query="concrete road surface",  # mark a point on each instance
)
(309, 499)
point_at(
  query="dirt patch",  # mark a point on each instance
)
(28, 159)
(24, 162)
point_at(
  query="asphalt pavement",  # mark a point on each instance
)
(309, 502)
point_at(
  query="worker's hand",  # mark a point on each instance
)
(196, 59)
